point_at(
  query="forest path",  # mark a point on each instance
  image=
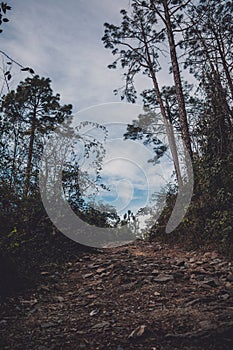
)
(140, 296)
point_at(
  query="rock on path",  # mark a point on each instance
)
(140, 296)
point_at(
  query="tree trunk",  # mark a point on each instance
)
(215, 73)
(167, 124)
(13, 171)
(169, 131)
(177, 80)
(224, 63)
(30, 153)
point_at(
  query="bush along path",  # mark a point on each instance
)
(140, 296)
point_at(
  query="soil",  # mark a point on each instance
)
(140, 296)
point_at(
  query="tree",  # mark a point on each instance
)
(148, 129)
(208, 41)
(28, 119)
(135, 42)
(141, 28)
(201, 33)
(33, 111)
(170, 14)
(193, 107)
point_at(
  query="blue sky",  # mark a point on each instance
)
(126, 171)
(62, 40)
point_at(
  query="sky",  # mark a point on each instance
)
(62, 40)
(126, 169)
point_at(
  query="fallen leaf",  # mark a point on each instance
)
(94, 312)
(137, 332)
(101, 325)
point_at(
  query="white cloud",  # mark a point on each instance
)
(62, 40)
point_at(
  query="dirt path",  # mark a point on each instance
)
(143, 296)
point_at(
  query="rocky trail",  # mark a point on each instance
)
(140, 296)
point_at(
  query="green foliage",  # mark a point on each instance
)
(207, 33)
(28, 115)
(32, 112)
(131, 46)
(148, 128)
(210, 215)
